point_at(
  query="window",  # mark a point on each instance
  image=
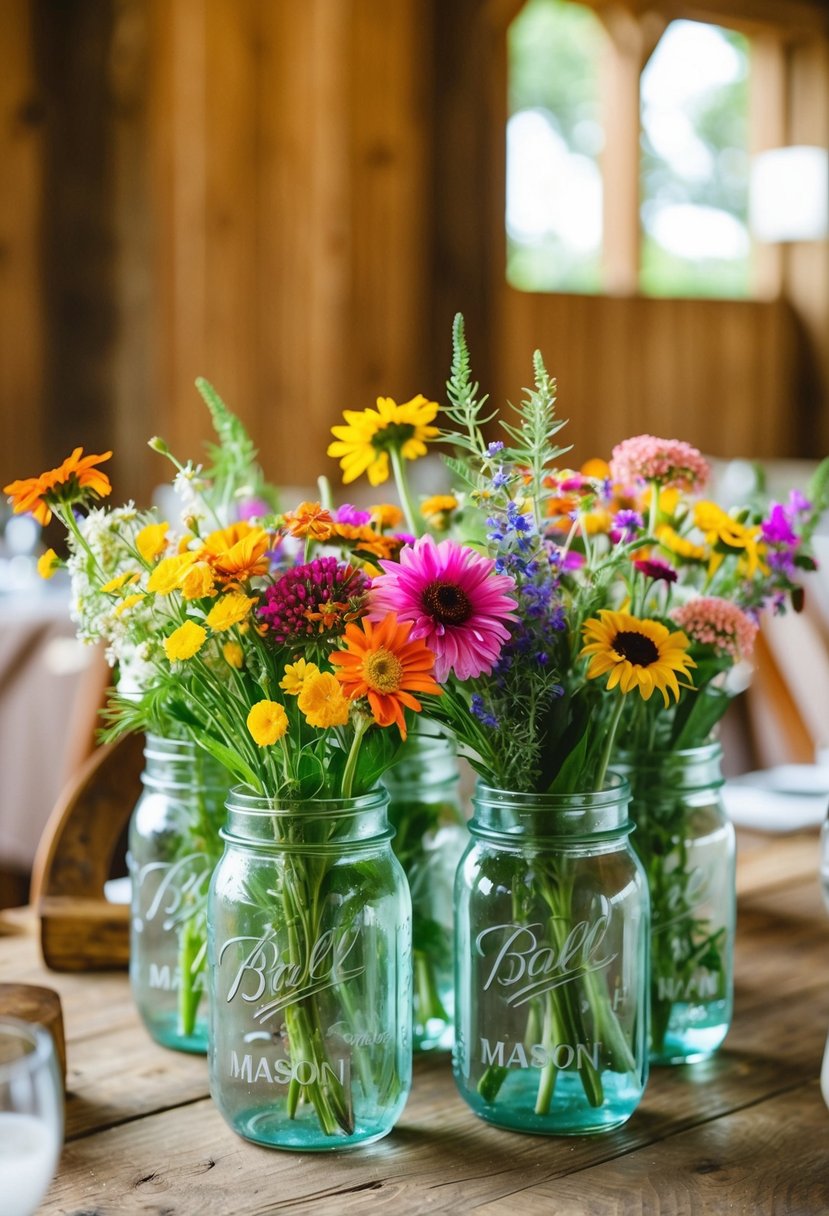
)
(694, 165)
(554, 140)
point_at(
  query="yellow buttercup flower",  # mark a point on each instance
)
(198, 582)
(229, 610)
(185, 641)
(129, 602)
(680, 546)
(638, 654)
(150, 541)
(364, 443)
(295, 676)
(267, 723)
(170, 572)
(115, 584)
(323, 701)
(729, 538)
(438, 504)
(233, 654)
(386, 515)
(48, 563)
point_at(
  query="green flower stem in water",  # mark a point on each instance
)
(305, 1039)
(428, 1004)
(191, 966)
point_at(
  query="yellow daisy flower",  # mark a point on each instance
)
(229, 610)
(170, 572)
(295, 676)
(150, 541)
(129, 602)
(185, 641)
(680, 546)
(233, 654)
(386, 515)
(638, 654)
(729, 538)
(115, 584)
(438, 504)
(323, 701)
(48, 563)
(363, 445)
(267, 723)
(198, 582)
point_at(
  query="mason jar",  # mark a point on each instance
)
(310, 973)
(174, 844)
(429, 839)
(686, 843)
(552, 923)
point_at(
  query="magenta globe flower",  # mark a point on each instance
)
(455, 601)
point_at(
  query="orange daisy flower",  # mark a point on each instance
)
(310, 519)
(69, 483)
(381, 664)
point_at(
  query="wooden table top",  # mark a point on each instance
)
(746, 1132)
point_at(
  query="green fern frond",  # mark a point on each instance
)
(465, 409)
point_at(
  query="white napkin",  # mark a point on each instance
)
(787, 798)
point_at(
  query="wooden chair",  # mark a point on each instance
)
(80, 929)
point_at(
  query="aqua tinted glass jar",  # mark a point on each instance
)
(430, 836)
(686, 843)
(174, 844)
(552, 962)
(310, 973)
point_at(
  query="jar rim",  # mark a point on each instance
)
(617, 788)
(240, 800)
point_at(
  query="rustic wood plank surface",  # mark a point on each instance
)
(744, 1132)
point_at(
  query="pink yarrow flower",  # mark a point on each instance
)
(669, 462)
(455, 601)
(715, 622)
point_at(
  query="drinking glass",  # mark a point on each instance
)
(31, 1115)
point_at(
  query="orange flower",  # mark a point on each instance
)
(386, 515)
(310, 519)
(363, 539)
(380, 663)
(69, 483)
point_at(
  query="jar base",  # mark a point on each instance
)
(570, 1113)
(694, 1033)
(274, 1130)
(165, 1032)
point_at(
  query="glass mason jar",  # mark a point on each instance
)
(310, 973)
(174, 844)
(552, 962)
(430, 837)
(686, 844)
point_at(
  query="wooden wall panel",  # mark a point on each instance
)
(719, 374)
(21, 201)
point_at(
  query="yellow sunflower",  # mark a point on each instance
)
(364, 444)
(638, 654)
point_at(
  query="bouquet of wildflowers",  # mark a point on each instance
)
(568, 609)
(111, 552)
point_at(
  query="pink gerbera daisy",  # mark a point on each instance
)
(455, 601)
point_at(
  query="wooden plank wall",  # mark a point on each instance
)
(293, 200)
